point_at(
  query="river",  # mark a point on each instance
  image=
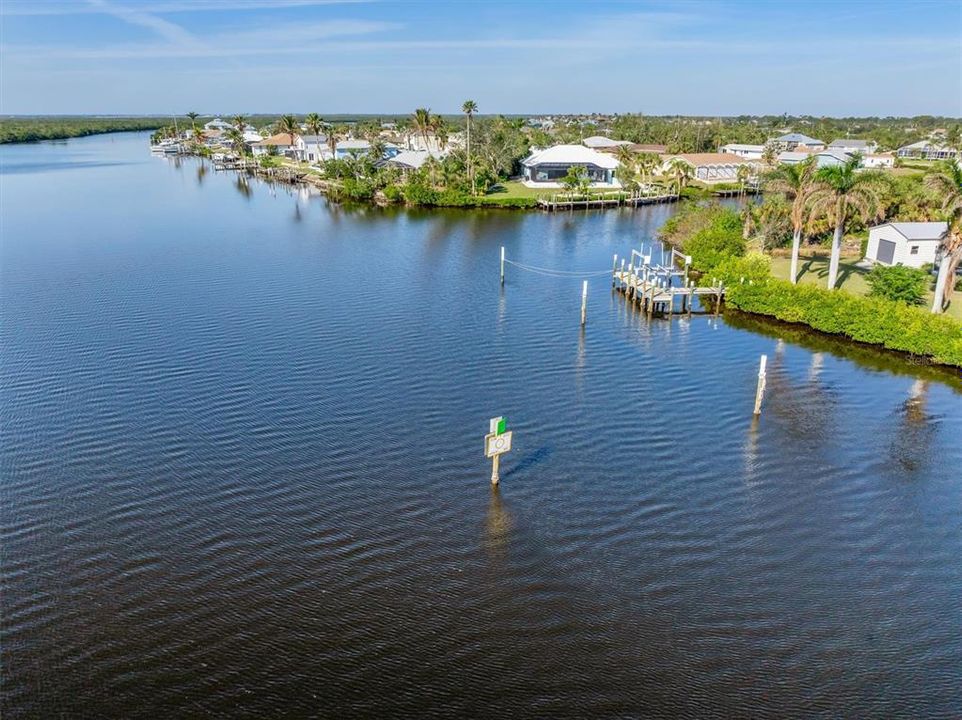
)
(242, 471)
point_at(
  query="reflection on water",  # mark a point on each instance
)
(242, 473)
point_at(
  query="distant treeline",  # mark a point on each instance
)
(29, 129)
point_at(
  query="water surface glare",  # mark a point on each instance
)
(242, 471)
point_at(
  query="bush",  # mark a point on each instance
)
(393, 193)
(899, 283)
(720, 240)
(754, 267)
(893, 325)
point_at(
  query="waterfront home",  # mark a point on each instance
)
(709, 167)
(279, 144)
(913, 244)
(926, 150)
(546, 168)
(853, 145)
(797, 141)
(310, 148)
(252, 136)
(407, 160)
(600, 142)
(749, 152)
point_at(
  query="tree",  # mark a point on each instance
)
(315, 125)
(647, 163)
(469, 107)
(239, 122)
(743, 174)
(576, 179)
(288, 125)
(898, 282)
(840, 194)
(236, 139)
(769, 155)
(421, 121)
(193, 116)
(440, 129)
(679, 172)
(947, 182)
(333, 133)
(795, 183)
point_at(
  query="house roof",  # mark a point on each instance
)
(924, 144)
(700, 159)
(919, 230)
(570, 155)
(312, 139)
(740, 146)
(411, 158)
(280, 139)
(640, 148)
(795, 137)
(354, 145)
(793, 156)
(850, 143)
(600, 141)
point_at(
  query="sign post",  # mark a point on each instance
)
(497, 442)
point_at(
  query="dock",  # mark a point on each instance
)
(562, 201)
(653, 286)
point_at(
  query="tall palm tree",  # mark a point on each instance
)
(236, 139)
(680, 172)
(314, 125)
(289, 126)
(795, 183)
(839, 194)
(239, 122)
(947, 182)
(469, 108)
(421, 120)
(440, 129)
(193, 117)
(648, 162)
(333, 135)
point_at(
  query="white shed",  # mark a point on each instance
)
(912, 244)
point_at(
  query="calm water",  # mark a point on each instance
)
(242, 472)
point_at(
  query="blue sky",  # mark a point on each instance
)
(867, 57)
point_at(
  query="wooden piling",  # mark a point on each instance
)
(584, 301)
(502, 264)
(614, 269)
(760, 387)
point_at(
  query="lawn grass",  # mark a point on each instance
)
(813, 270)
(516, 189)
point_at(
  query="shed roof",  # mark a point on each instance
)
(919, 230)
(795, 137)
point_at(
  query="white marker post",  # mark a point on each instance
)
(584, 302)
(760, 388)
(497, 442)
(502, 264)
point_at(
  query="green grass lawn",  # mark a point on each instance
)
(813, 270)
(514, 188)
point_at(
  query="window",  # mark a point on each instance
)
(914, 250)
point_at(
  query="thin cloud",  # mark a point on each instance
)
(32, 7)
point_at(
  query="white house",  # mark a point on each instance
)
(217, 124)
(927, 151)
(797, 141)
(853, 145)
(912, 244)
(600, 142)
(878, 160)
(310, 148)
(546, 168)
(749, 152)
(710, 167)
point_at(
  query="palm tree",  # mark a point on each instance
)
(469, 107)
(947, 182)
(743, 175)
(648, 162)
(289, 126)
(314, 125)
(794, 182)
(840, 193)
(333, 135)
(193, 116)
(239, 122)
(680, 172)
(421, 120)
(236, 138)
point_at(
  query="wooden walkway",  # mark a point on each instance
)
(654, 287)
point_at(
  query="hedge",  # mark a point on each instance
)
(888, 323)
